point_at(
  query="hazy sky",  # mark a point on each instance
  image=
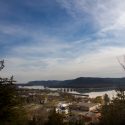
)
(62, 39)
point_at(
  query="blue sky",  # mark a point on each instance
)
(62, 39)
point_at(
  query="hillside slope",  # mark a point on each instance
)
(82, 82)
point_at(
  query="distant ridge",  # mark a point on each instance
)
(81, 82)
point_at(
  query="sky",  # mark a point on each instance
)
(62, 39)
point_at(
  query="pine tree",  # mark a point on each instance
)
(114, 112)
(11, 112)
(55, 119)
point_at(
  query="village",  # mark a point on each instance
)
(38, 103)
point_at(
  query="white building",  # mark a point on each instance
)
(62, 108)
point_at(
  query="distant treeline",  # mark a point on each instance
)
(81, 82)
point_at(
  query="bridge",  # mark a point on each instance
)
(72, 91)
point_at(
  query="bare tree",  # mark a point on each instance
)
(5, 80)
(122, 62)
(1, 65)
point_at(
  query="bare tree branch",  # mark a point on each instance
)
(1, 65)
(123, 65)
(5, 80)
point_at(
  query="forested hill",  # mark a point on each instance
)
(85, 82)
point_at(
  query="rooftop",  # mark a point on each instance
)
(86, 104)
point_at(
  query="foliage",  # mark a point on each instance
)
(80, 122)
(39, 117)
(114, 112)
(55, 119)
(60, 119)
(98, 99)
(106, 99)
(11, 112)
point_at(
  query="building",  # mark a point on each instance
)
(87, 111)
(62, 108)
(85, 106)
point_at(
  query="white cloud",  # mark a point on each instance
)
(49, 57)
(100, 63)
(107, 14)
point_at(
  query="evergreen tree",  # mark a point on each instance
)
(106, 99)
(114, 112)
(11, 112)
(55, 119)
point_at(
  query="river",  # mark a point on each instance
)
(111, 93)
